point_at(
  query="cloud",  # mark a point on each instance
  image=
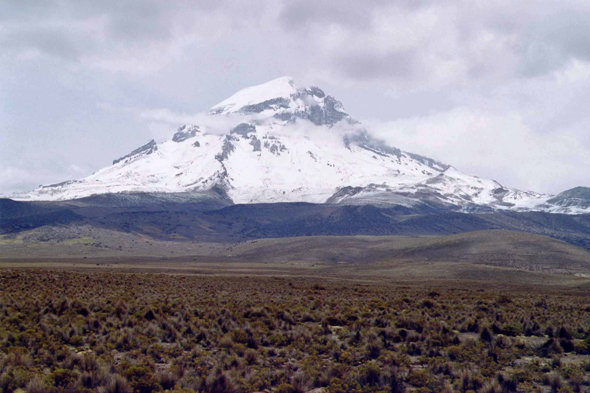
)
(299, 14)
(27, 176)
(131, 36)
(217, 125)
(43, 40)
(555, 39)
(163, 122)
(440, 43)
(15, 178)
(494, 145)
(427, 42)
(369, 66)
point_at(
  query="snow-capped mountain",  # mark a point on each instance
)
(280, 142)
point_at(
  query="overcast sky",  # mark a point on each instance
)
(499, 89)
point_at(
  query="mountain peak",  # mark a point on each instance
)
(261, 160)
(576, 195)
(283, 100)
(280, 88)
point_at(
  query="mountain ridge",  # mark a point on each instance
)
(289, 143)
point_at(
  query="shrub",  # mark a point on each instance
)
(166, 379)
(504, 299)
(396, 384)
(370, 374)
(62, 378)
(116, 384)
(567, 345)
(285, 388)
(219, 382)
(301, 382)
(251, 357)
(486, 335)
(141, 379)
(563, 333)
(582, 347)
(419, 378)
(512, 330)
(426, 303)
(36, 385)
(551, 347)
(374, 349)
(227, 341)
(150, 315)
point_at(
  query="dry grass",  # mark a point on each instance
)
(99, 331)
(480, 249)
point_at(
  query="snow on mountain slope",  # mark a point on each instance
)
(277, 89)
(289, 143)
(282, 99)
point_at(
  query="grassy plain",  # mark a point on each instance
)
(136, 327)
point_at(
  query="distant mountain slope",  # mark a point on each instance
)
(281, 142)
(498, 248)
(20, 216)
(466, 255)
(189, 217)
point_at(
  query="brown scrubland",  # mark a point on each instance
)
(108, 331)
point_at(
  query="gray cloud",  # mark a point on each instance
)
(367, 66)
(555, 40)
(298, 14)
(302, 14)
(50, 41)
(103, 33)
